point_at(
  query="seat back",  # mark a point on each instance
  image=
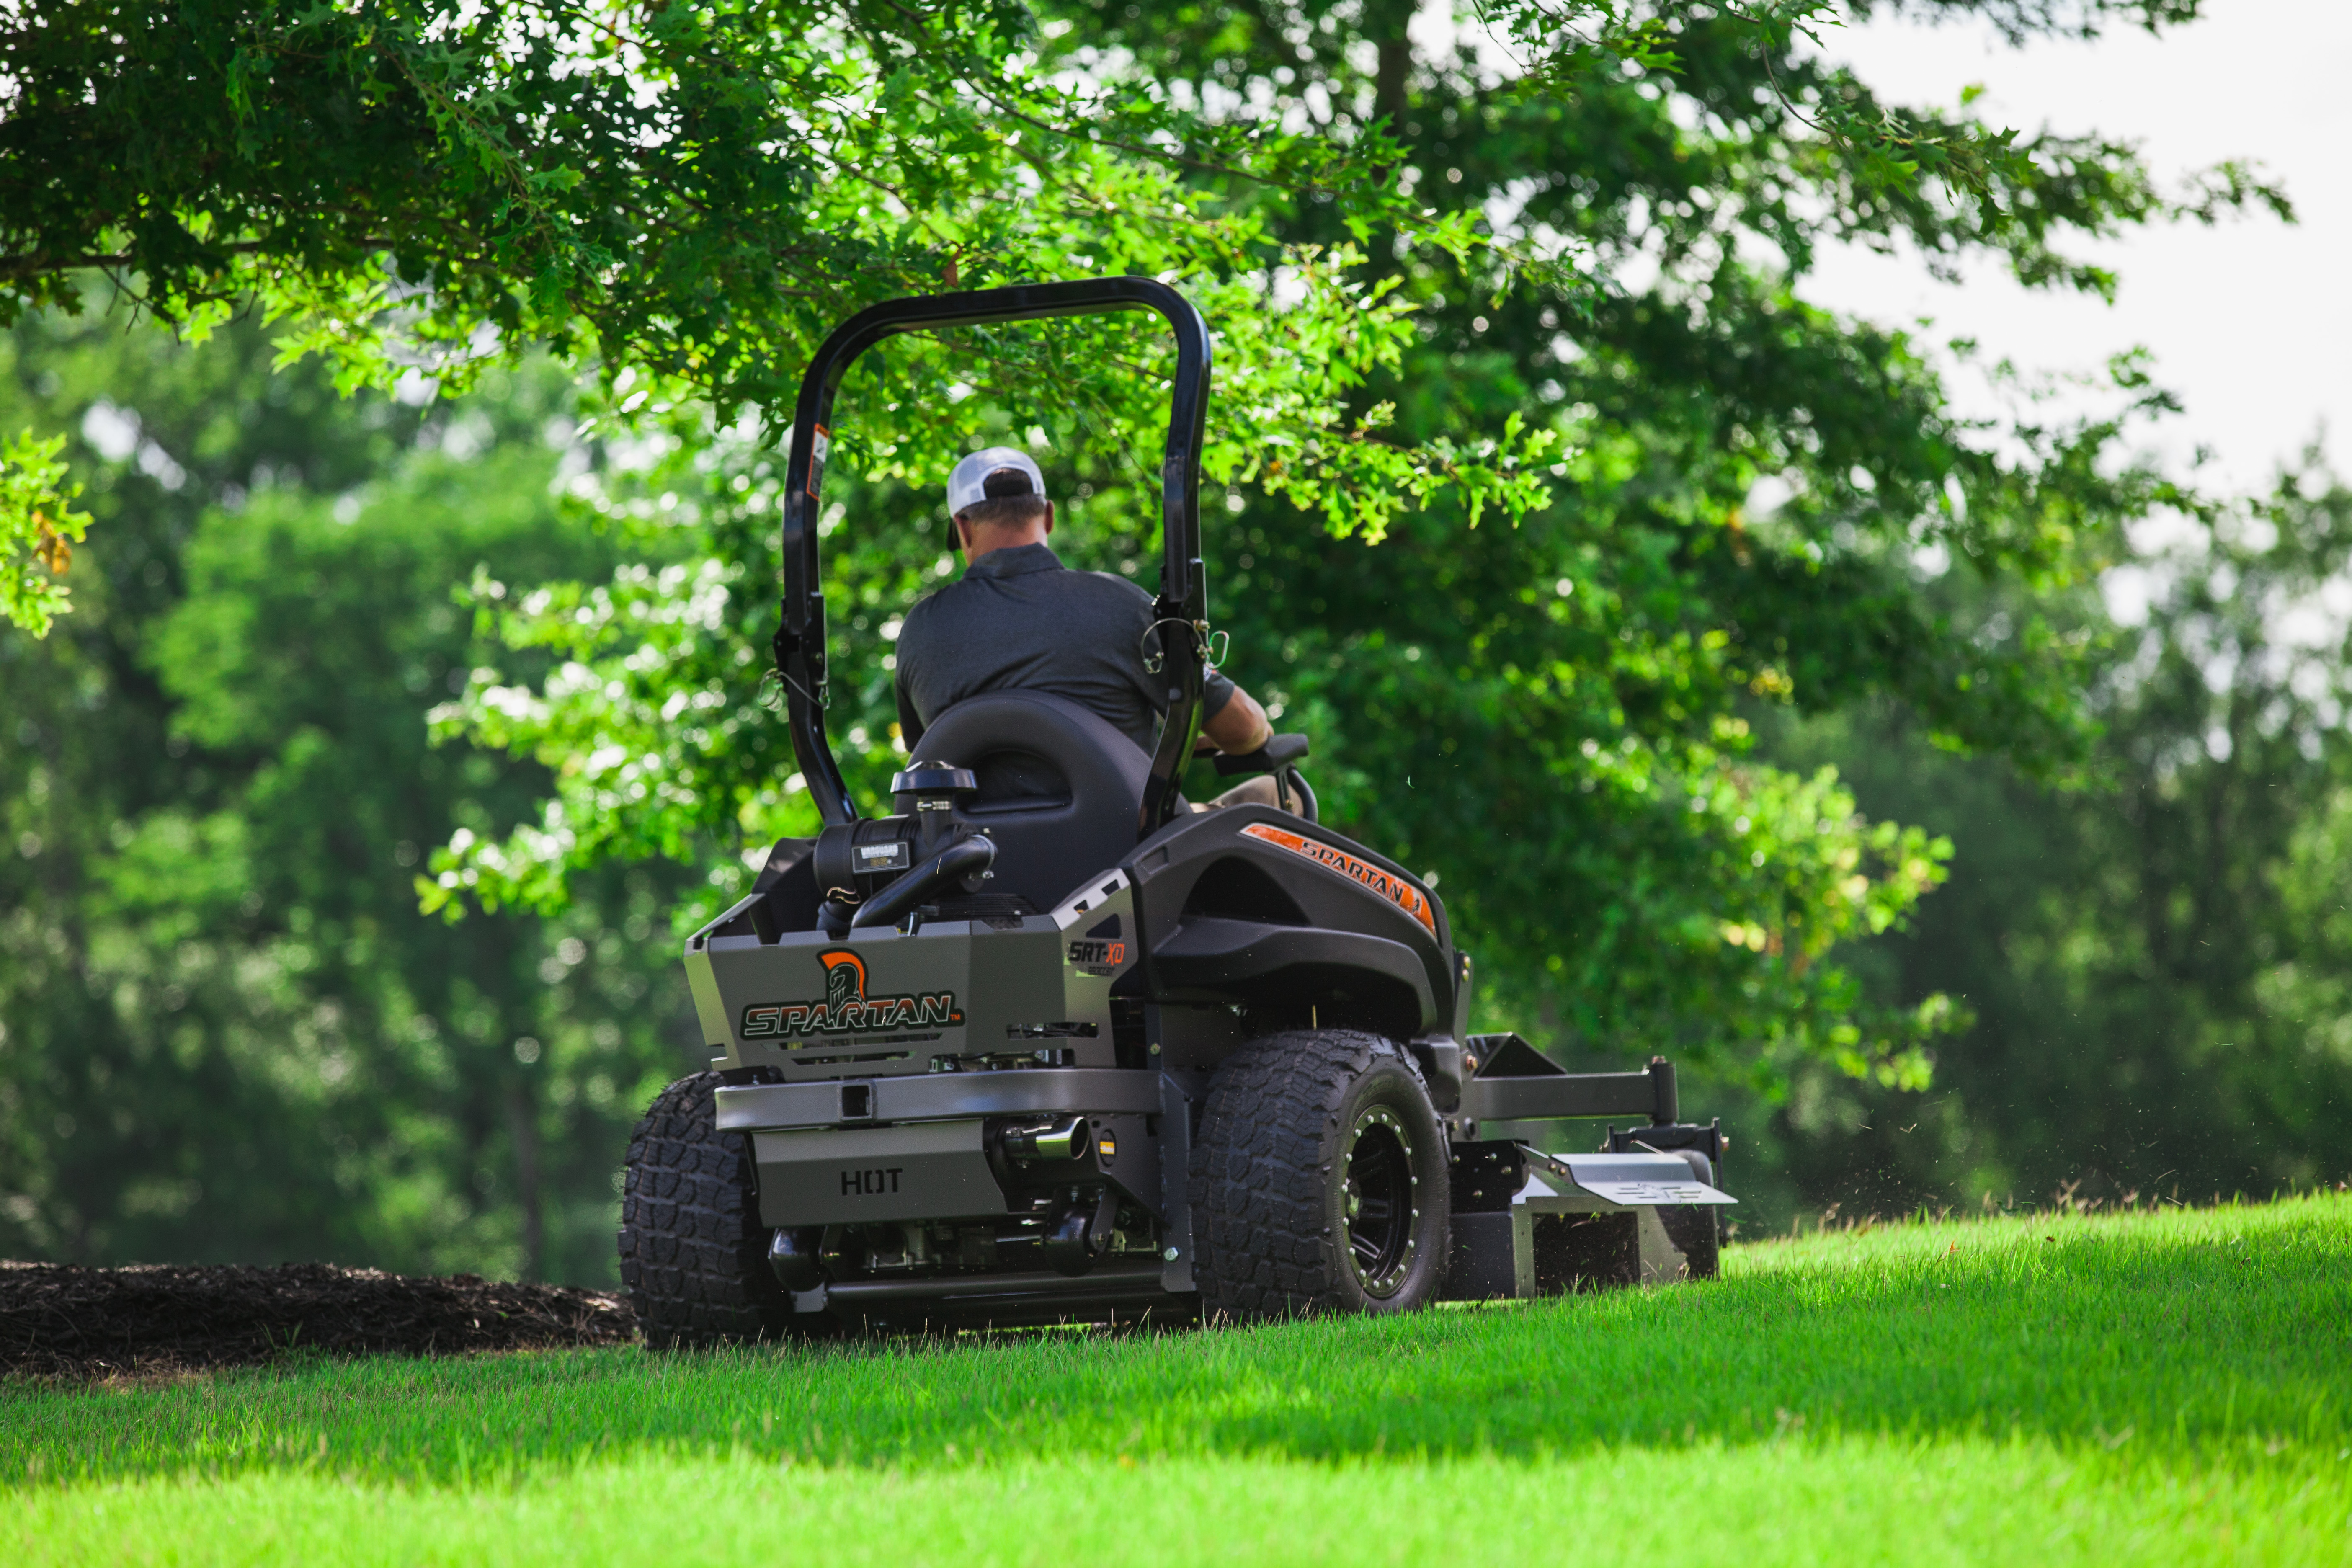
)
(1061, 789)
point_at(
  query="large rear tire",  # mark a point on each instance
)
(694, 1255)
(1319, 1181)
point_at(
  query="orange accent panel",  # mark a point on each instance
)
(1388, 884)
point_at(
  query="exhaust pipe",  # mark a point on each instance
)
(1072, 1139)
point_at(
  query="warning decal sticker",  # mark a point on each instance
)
(1387, 884)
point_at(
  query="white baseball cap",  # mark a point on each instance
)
(967, 486)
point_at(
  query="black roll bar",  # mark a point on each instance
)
(1182, 611)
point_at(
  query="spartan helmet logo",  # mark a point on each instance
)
(845, 979)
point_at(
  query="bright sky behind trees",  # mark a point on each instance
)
(2249, 320)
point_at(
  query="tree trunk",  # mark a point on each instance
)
(1385, 23)
(522, 1117)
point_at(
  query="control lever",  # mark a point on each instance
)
(1280, 756)
(1280, 752)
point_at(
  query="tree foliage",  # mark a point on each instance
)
(2155, 963)
(1549, 713)
(225, 1033)
(33, 490)
(1527, 312)
(696, 194)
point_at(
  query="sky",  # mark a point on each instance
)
(2250, 322)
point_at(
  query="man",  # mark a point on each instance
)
(1019, 620)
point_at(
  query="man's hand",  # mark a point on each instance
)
(1239, 726)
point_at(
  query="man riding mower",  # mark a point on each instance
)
(1049, 1044)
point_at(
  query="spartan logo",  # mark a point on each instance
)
(1387, 884)
(844, 981)
(846, 1009)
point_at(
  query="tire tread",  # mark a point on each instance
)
(693, 1251)
(1259, 1171)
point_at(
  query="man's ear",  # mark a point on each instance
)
(1049, 519)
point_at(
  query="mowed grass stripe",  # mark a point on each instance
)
(2148, 1388)
(1855, 1502)
(2185, 1329)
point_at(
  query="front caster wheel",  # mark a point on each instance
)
(1319, 1180)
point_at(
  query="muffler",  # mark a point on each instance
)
(1072, 1138)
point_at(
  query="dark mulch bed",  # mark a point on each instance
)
(62, 1321)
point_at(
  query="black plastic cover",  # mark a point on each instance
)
(1253, 906)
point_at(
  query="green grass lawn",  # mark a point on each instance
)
(2167, 1389)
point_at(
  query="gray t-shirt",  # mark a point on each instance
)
(1018, 620)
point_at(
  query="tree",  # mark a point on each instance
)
(2155, 961)
(225, 1031)
(1550, 713)
(692, 193)
(1538, 323)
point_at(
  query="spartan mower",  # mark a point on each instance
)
(1045, 1044)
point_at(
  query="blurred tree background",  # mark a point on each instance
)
(1965, 806)
(225, 1030)
(2155, 958)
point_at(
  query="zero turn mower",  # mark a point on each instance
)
(1045, 1044)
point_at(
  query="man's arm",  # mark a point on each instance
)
(1237, 727)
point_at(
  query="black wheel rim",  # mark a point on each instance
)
(1380, 1202)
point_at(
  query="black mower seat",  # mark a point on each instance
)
(1061, 789)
